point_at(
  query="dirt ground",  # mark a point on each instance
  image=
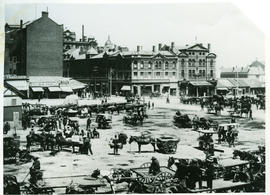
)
(160, 122)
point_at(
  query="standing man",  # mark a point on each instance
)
(87, 145)
(88, 122)
(6, 127)
(154, 167)
(115, 145)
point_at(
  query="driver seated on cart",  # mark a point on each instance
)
(154, 167)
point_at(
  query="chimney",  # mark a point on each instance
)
(83, 33)
(45, 14)
(208, 47)
(138, 48)
(154, 48)
(172, 45)
(159, 46)
(21, 24)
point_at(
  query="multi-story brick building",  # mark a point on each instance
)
(35, 48)
(189, 70)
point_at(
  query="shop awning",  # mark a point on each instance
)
(201, 83)
(21, 85)
(126, 88)
(54, 89)
(66, 89)
(37, 89)
(222, 88)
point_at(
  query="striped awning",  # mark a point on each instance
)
(37, 89)
(66, 89)
(54, 89)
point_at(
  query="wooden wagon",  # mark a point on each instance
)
(167, 144)
(149, 183)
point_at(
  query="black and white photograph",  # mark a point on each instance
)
(110, 98)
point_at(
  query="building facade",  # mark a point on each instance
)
(35, 48)
(186, 71)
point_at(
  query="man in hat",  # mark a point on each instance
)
(209, 172)
(181, 173)
(154, 167)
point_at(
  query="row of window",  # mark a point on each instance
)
(192, 73)
(167, 65)
(142, 74)
(193, 53)
(193, 61)
(157, 64)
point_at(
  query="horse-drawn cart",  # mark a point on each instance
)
(167, 144)
(148, 183)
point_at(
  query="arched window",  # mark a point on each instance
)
(174, 65)
(166, 65)
(211, 62)
(193, 62)
(182, 62)
(200, 62)
(156, 65)
(150, 65)
(203, 61)
(142, 65)
(189, 62)
(135, 64)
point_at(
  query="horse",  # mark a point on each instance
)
(143, 141)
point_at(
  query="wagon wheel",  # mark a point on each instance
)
(163, 176)
(160, 188)
(146, 180)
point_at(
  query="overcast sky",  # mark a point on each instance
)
(233, 37)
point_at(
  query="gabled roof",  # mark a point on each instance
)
(197, 46)
(211, 55)
(92, 51)
(159, 55)
(183, 54)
